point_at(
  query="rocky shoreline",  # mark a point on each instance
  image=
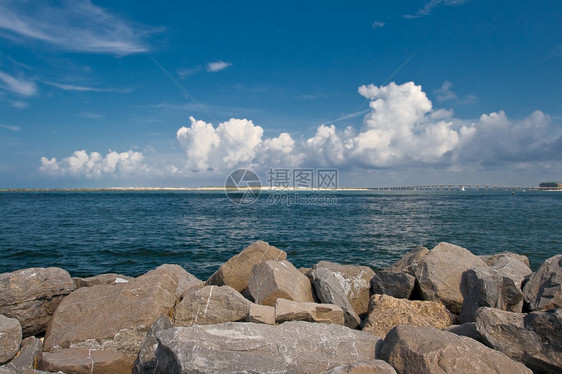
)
(443, 310)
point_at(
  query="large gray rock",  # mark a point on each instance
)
(440, 274)
(112, 317)
(85, 361)
(409, 262)
(186, 281)
(498, 287)
(292, 347)
(492, 260)
(364, 367)
(329, 290)
(467, 329)
(543, 291)
(355, 281)
(272, 280)
(508, 332)
(413, 349)
(395, 284)
(210, 305)
(108, 278)
(236, 271)
(30, 351)
(146, 360)
(286, 310)
(32, 295)
(10, 338)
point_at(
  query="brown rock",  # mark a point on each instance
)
(108, 278)
(261, 314)
(491, 260)
(31, 349)
(186, 280)
(271, 280)
(364, 367)
(286, 310)
(10, 338)
(32, 295)
(409, 262)
(85, 361)
(386, 312)
(236, 271)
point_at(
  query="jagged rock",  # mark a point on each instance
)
(329, 291)
(413, 349)
(467, 329)
(508, 332)
(286, 310)
(543, 291)
(108, 278)
(261, 314)
(210, 305)
(355, 281)
(292, 347)
(10, 338)
(85, 361)
(32, 295)
(112, 317)
(186, 281)
(146, 360)
(236, 271)
(31, 349)
(386, 312)
(399, 285)
(491, 260)
(548, 325)
(440, 273)
(271, 280)
(498, 287)
(4, 370)
(409, 262)
(364, 367)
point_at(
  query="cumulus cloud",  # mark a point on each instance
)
(19, 86)
(213, 67)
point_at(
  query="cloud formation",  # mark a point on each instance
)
(213, 67)
(19, 86)
(428, 7)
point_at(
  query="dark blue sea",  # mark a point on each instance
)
(131, 232)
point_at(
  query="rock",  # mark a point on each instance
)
(491, 260)
(10, 338)
(364, 367)
(440, 273)
(4, 370)
(236, 271)
(85, 361)
(507, 332)
(304, 270)
(32, 295)
(292, 347)
(409, 262)
(414, 349)
(261, 314)
(186, 280)
(210, 305)
(386, 312)
(112, 317)
(543, 291)
(497, 287)
(108, 278)
(467, 329)
(548, 325)
(286, 310)
(146, 360)
(271, 280)
(31, 349)
(355, 281)
(329, 291)
(399, 285)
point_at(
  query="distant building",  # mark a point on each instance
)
(553, 185)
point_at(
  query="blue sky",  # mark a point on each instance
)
(128, 93)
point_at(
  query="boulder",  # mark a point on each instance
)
(210, 305)
(440, 274)
(386, 312)
(286, 310)
(10, 338)
(355, 281)
(261, 314)
(292, 347)
(112, 317)
(543, 291)
(85, 361)
(236, 271)
(498, 287)
(508, 333)
(467, 329)
(5, 370)
(329, 291)
(271, 280)
(491, 260)
(108, 278)
(414, 349)
(186, 281)
(146, 360)
(364, 367)
(30, 351)
(32, 295)
(395, 284)
(409, 262)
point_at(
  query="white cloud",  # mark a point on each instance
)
(19, 104)
(377, 25)
(213, 67)
(445, 93)
(71, 87)
(9, 127)
(18, 86)
(186, 72)
(76, 25)
(428, 7)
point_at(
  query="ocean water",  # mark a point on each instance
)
(90, 233)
